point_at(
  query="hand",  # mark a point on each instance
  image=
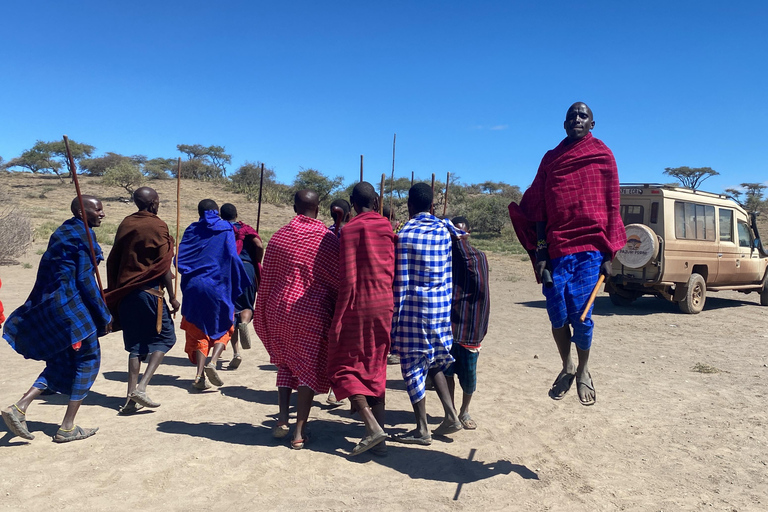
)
(540, 266)
(606, 268)
(174, 305)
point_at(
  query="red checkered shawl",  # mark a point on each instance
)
(297, 297)
(359, 335)
(576, 192)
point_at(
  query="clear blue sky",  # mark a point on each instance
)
(478, 88)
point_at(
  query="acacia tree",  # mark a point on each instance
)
(315, 180)
(690, 177)
(51, 157)
(125, 174)
(753, 194)
(213, 157)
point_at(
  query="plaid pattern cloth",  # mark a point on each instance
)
(464, 367)
(574, 275)
(421, 324)
(471, 306)
(576, 191)
(65, 305)
(296, 301)
(72, 372)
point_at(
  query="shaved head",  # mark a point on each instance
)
(579, 121)
(206, 205)
(94, 211)
(364, 196)
(306, 202)
(146, 199)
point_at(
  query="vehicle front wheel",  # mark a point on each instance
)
(695, 295)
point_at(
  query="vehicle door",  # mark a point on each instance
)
(728, 250)
(749, 264)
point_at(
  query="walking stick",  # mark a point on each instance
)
(261, 187)
(361, 168)
(392, 179)
(432, 208)
(84, 218)
(381, 203)
(447, 181)
(411, 178)
(178, 222)
(592, 297)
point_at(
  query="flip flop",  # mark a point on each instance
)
(234, 364)
(467, 422)
(298, 444)
(76, 434)
(129, 408)
(201, 383)
(213, 375)
(15, 420)
(562, 385)
(444, 430)
(280, 430)
(410, 439)
(589, 387)
(369, 442)
(141, 398)
(380, 450)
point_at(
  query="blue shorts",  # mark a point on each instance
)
(574, 275)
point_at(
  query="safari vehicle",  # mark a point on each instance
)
(682, 244)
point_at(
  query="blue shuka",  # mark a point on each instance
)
(212, 275)
(65, 306)
(421, 325)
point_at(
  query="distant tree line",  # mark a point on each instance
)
(750, 197)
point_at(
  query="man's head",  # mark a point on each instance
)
(340, 208)
(306, 202)
(364, 197)
(94, 211)
(419, 199)
(578, 121)
(146, 199)
(386, 212)
(228, 212)
(206, 205)
(461, 223)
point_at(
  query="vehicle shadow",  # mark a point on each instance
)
(647, 305)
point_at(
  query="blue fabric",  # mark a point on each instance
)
(464, 367)
(574, 275)
(138, 314)
(72, 372)
(421, 325)
(212, 274)
(65, 305)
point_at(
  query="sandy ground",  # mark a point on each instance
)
(661, 436)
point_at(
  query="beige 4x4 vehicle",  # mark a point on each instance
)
(682, 244)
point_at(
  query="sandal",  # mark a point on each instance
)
(562, 385)
(298, 444)
(369, 442)
(75, 434)
(213, 375)
(15, 420)
(234, 364)
(591, 387)
(141, 398)
(129, 408)
(280, 430)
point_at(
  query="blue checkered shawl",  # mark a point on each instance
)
(65, 305)
(421, 325)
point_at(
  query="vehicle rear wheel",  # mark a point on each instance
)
(695, 295)
(764, 291)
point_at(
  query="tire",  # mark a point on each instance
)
(764, 297)
(695, 295)
(620, 300)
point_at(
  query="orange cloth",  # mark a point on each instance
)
(198, 340)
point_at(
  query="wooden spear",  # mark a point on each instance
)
(445, 204)
(392, 179)
(178, 225)
(411, 178)
(432, 208)
(261, 187)
(84, 218)
(361, 168)
(381, 203)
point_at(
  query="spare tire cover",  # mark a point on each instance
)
(642, 246)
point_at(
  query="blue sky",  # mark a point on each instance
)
(479, 88)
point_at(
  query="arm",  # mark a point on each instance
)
(89, 290)
(254, 247)
(168, 285)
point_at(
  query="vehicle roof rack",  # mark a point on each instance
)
(674, 187)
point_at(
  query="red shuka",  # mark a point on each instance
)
(359, 335)
(576, 192)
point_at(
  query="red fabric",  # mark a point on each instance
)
(359, 335)
(241, 232)
(296, 300)
(2, 316)
(576, 192)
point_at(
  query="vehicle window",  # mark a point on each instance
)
(694, 221)
(745, 239)
(726, 225)
(632, 214)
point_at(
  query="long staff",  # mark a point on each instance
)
(592, 297)
(381, 203)
(447, 181)
(392, 179)
(432, 208)
(261, 187)
(178, 222)
(411, 178)
(361, 168)
(84, 217)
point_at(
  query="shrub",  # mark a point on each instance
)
(15, 235)
(124, 174)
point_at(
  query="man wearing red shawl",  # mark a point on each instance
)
(569, 221)
(138, 269)
(359, 335)
(294, 308)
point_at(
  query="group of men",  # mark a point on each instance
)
(332, 303)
